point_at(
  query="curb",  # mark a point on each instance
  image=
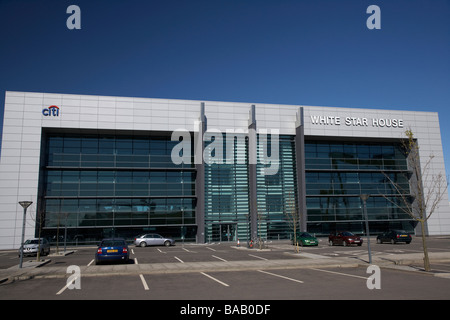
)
(442, 275)
(173, 268)
(22, 274)
(304, 261)
(62, 254)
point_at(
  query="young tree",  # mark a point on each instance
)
(292, 218)
(426, 190)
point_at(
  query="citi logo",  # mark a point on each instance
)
(51, 111)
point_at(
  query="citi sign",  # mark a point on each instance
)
(52, 111)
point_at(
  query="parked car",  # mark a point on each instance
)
(153, 239)
(112, 249)
(305, 239)
(31, 247)
(394, 236)
(344, 238)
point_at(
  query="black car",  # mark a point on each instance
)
(394, 236)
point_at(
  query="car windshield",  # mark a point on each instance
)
(32, 241)
(305, 235)
(112, 243)
(347, 234)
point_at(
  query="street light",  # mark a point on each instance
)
(25, 205)
(364, 198)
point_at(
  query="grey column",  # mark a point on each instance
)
(252, 141)
(199, 146)
(300, 168)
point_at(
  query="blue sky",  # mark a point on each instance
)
(278, 51)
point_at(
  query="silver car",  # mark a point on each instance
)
(31, 247)
(153, 239)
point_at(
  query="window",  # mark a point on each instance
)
(334, 182)
(107, 180)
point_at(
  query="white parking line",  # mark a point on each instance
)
(220, 258)
(144, 283)
(222, 283)
(179, 259)
(339, 273)
(66, 286)
(92, 261)
(211, 249)
(132, 251)
(257, 257)
(135, 261)
(277, 275)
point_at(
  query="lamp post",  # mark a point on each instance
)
(25, 205)
(364, 198)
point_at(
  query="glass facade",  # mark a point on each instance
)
(102, 185)
(277, 194)
(337, 173)
(227, 193)
(115, 185)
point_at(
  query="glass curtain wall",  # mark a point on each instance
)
(115, 185)
(337, 173)
(227, 192)
(277, 194)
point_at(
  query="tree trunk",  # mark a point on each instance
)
(426, 259)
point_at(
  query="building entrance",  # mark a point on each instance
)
(224, 232)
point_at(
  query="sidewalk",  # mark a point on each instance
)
(305, 260)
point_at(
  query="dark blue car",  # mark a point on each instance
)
(114, 249)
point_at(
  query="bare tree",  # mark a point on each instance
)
(260, 239)
(425, 193)
(292, 218)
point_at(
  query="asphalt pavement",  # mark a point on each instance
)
(226, 257)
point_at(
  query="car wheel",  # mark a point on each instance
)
(167, 243)
(143, 244)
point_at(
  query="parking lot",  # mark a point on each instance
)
(274, 284)
(292, 284)
(190, 252)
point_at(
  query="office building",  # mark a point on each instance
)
(100, 166)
